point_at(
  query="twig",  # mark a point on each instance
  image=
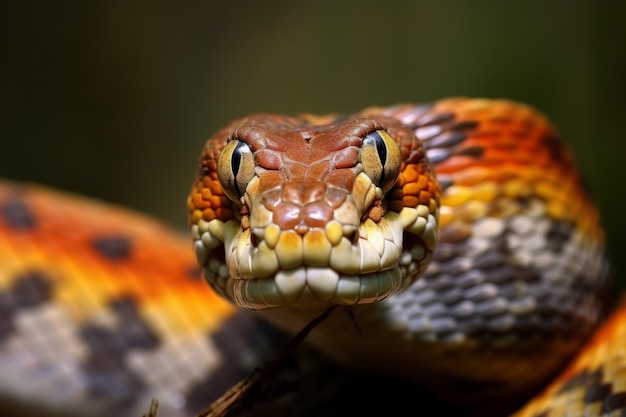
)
(154, 406)
(242, 395)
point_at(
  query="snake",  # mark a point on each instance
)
(456, 242)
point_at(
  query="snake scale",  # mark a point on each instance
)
(457, 239)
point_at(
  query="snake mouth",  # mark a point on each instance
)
(320, 267)
(306, 287)
(371, 265)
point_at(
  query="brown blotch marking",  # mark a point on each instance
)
(595, 390)
(614, 402)
(105, 368)
(29, 290)
(113, 248)
(597, 393)
(194, 272)
(558, 235)
(16, 214)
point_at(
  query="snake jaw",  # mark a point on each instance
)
(366, 271)
(337, 264)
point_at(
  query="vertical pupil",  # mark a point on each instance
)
(235, 163)
(381, 149)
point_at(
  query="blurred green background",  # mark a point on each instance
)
(114, 99)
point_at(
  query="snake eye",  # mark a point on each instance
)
(235, 168)
(381, 159)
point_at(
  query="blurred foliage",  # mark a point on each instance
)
(114, 99)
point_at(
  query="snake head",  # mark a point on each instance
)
(313, 211)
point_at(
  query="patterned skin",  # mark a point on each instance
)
(594, 384)
(516, 282)
(103, 315)
(102, 309)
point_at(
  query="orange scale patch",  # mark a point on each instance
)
(206, 194)
(424, 197)
(208, 214)
(215, 187)
(412, 188)
(410, 173)
(604, 352)
(158, 276)
(197, 201)
(410, 201)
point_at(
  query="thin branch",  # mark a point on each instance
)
(243, 394)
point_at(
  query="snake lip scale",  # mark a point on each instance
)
(457, 236)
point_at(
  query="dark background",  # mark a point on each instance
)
(114, 99)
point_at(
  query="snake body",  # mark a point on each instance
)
(458, 236)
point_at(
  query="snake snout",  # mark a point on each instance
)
(304, 223)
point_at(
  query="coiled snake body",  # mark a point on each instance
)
(457, 236)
